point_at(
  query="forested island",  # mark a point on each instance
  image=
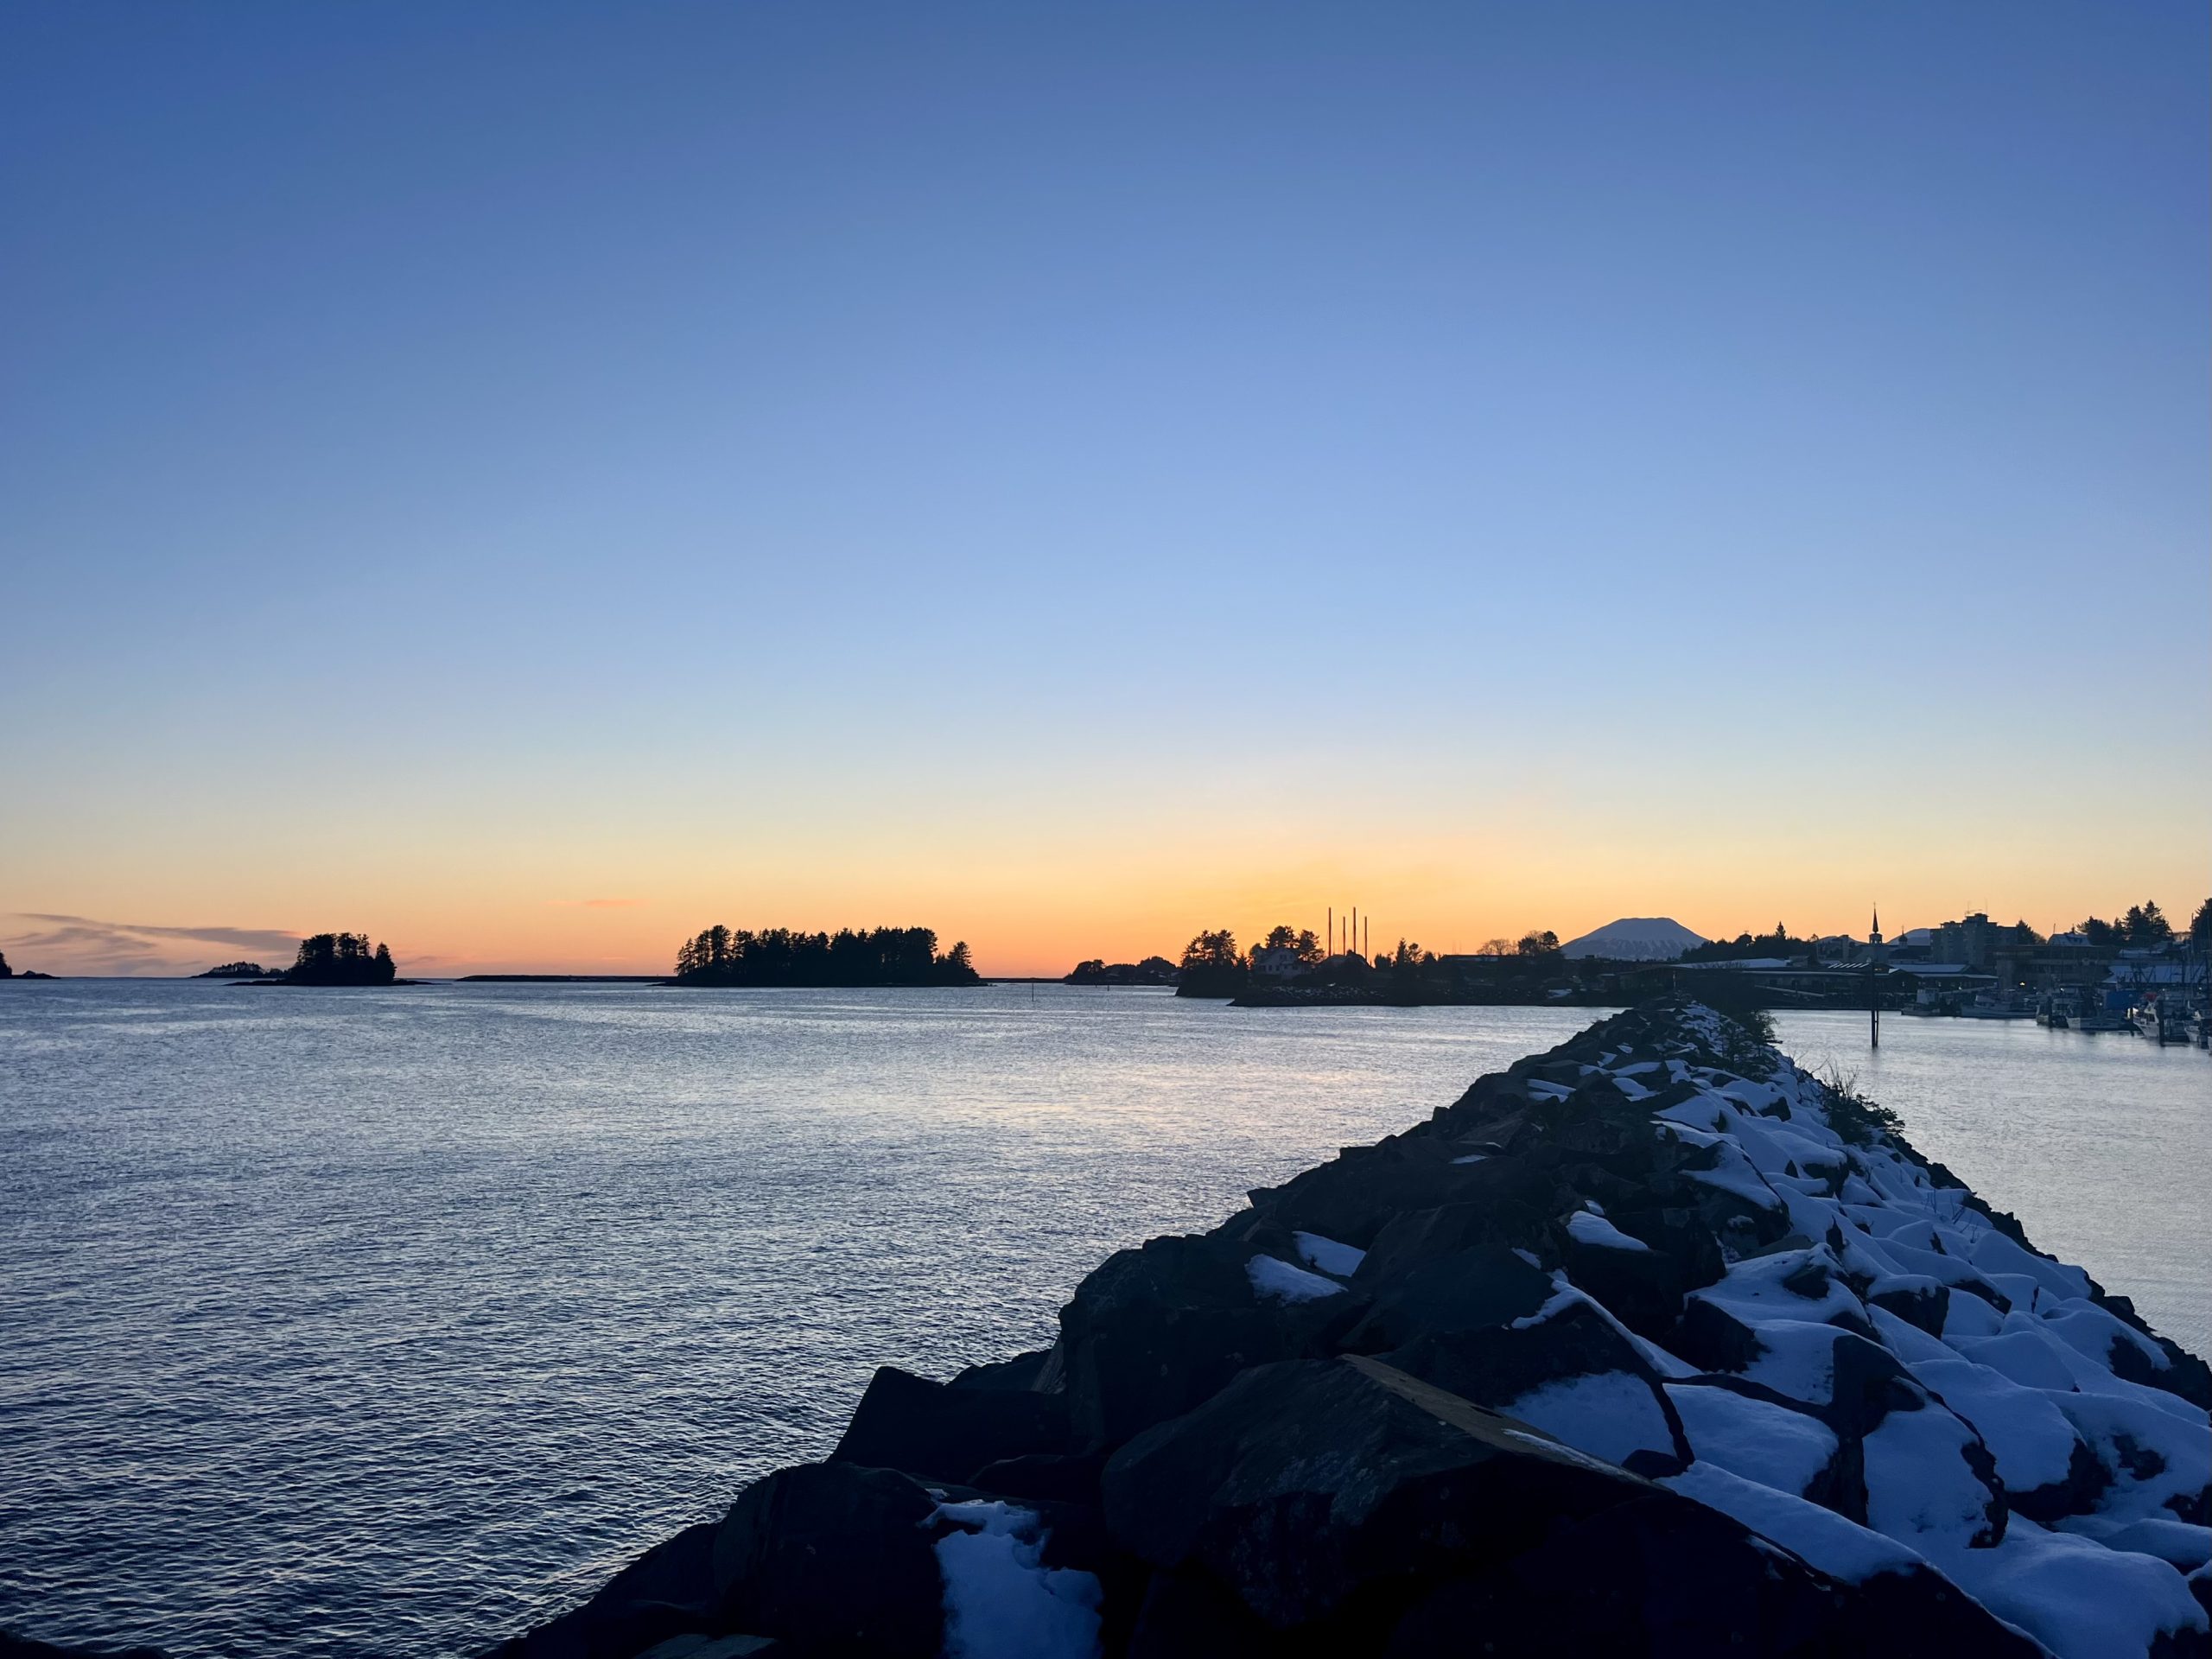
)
(332, 959)
(780, 955)
(238, 971)
(6, 972)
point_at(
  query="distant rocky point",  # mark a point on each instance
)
(1635, 939)
(6, 972)
(1652, 1345)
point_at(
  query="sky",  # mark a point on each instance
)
(530, 481)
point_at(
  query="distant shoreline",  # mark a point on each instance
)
(328, 984)
(560, 979)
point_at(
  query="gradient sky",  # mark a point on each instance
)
(528, 481)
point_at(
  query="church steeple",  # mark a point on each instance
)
(1875, 937)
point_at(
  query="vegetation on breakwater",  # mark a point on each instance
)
(780, 955)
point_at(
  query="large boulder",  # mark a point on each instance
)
(835, 1557)
(1355, 1196)
(1573, 1375)
(1484, 1287)
(1155, 1331)
(1640, 1285)
(1305, 1484)
(1504, 1200)
(927, 1428)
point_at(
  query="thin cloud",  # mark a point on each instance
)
(87, 944)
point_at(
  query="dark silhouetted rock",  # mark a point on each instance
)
(1354, 1196)
(1302, 1484)
(1575, 1358)
(667, 1592)
(1022, 1371)
(926, 1429)
(1651, 1577)
(835, 1557)
(1063, 1479)
(1155, 1331)
(1472, 1289)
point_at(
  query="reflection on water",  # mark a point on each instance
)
(379, 1322)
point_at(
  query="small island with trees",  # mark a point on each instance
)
(330, 959)
(1153, 971)
(238, 971)
(724, 956)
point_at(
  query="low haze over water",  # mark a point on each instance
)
(384, 1323)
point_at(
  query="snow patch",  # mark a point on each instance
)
(1596, 1229)
(2079, 1598)
(1608, 1415)
(1340, 1260)
(1001, 1601)
(1755, 1440)
(1274, 1279)
(1839, 1548)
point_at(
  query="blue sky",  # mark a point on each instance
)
(1079, 474)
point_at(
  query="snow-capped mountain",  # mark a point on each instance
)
(1635, 939)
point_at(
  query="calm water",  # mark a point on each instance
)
(384, 1323)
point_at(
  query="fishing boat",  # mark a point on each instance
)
(2163, 1019)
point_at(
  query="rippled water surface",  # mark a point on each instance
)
(386, 1322)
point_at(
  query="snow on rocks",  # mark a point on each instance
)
(1652, 1342)
(1341, 1261)
(1612, 1414)
(2079, 1598)
(1001, 1601)
(1595, 1230)
(1276, 1281)
(1852, 1553)
(1756, 1440)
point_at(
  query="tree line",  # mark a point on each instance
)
(342, 959)
(1215, 951)
(2145, 926)
(782, 955)
(1213, 965)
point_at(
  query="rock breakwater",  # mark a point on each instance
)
(1651, 1344)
